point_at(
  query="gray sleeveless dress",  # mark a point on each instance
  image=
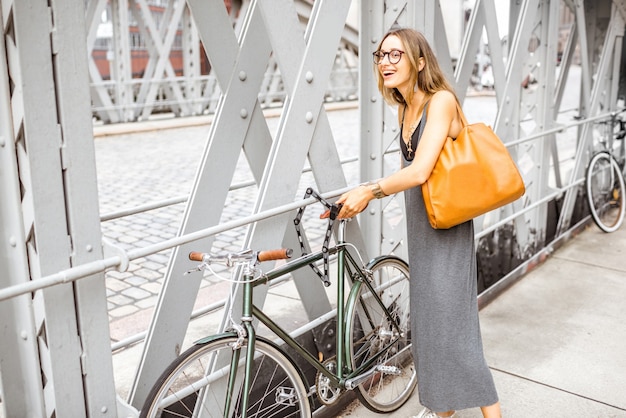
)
(447, 346)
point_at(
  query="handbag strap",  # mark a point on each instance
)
(461, 114)
(425, 107)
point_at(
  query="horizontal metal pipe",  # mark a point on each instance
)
(528, 208)
(87, 269)
(559, 129)
(98, 266)
(180, 199)
(143, 208)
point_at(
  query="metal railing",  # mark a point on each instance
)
(121, 260)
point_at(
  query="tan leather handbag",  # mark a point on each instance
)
(473, 175)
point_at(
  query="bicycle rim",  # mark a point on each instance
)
(195, 384)
(605, 192)
(371, 330)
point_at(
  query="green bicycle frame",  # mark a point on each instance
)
(345, 263)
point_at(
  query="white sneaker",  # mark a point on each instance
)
(427, 413)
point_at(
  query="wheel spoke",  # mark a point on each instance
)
(605, 192)
(195, 385)
(373, 329)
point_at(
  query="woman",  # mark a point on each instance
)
(451, 368)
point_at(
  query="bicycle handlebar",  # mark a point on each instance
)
(252, 258)
(279, 254)
(260, 256)
(196, 256)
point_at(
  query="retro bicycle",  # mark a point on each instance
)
(604, 177)
(241, 374)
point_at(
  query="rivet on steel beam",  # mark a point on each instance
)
(24, 335)
(374, 40)
(309, 77)
(372, 211)
(243, 75)
(89, 248)
(372, 156)
(12, 241)
(104, 410)
(393, 129)
(308, 117)
(2, 142)
(243, 113)
(373, 99)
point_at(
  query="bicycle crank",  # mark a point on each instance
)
(351, 384)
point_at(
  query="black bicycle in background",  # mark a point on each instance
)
(604, 178)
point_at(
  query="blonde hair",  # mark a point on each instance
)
(430, 80)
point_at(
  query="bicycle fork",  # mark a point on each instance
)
(246, 332)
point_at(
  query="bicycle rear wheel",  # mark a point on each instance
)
(371, 329)
(195, 384)
(605, 191)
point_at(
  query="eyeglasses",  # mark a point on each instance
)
(394, 56)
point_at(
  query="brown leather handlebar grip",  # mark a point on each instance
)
(280, 254)
(196, 256)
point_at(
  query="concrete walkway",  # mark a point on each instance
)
(556, 340)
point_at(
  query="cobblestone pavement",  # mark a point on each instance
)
(144, 163)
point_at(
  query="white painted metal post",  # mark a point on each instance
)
(52, 140)
(120, 65)
(20, 371)
(191, 63)
(81, 203)
(38, 144)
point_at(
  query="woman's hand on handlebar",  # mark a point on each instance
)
(353, 202)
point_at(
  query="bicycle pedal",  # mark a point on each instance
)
(286, 396)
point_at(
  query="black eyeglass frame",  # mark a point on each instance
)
(379, 56)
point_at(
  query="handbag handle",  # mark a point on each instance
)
(461, 114)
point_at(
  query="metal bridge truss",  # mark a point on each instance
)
(55, 357)
(167, 28)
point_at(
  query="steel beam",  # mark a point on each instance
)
(46, 48)
(69, 47)
(38, 144)
(20, 371)
(120, 62)
(238, 70)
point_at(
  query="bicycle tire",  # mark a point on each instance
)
(277, 388)
(604, 184)
(370, 329)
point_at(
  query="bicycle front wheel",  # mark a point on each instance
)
(196, 384)
(380, 322)
(605, 191)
